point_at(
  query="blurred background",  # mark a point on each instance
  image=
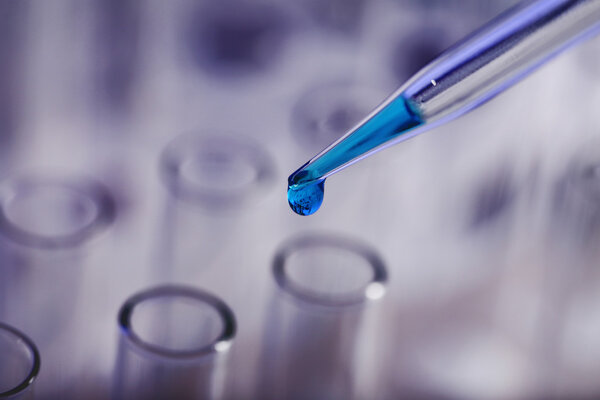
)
(145, 143)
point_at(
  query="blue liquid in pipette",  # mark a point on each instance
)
(306, 185)
(307, 199)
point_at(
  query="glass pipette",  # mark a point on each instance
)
(470, 73)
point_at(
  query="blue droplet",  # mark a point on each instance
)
(305, 200)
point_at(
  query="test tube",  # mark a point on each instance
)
(317, 318)
(217, 186)
(19, 364)
(173, 345)
(46, 227)
(211, 179)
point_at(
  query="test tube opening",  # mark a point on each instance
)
(177, 323)
(54, 213)
(20, 362)
(329, 271)
(215, 171)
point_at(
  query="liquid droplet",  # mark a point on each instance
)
(306, 200)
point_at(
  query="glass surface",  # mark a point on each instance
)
(314, 338)
(173, 344)
(19, 364)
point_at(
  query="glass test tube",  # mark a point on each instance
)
(216, 185)
(212, 180)
(19, 364)
(44, 225)
(317, 317)
(173, 345)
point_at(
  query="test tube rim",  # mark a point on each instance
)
(97, 193)
(36, 363)
(179, 150)
(356, 246)
(226, 314)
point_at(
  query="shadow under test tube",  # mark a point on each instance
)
(19, 364)
(44, 224)
(317, 318)
(173, 345)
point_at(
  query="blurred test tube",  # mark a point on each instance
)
(213, 182)
(19, 364)
(173, 344)
(46, 225)
(209, 236)
(316, 321)
(117, 63)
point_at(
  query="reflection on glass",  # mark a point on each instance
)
(19, 364)
(315, 319)
(173, 345)
(215, 171)
(214, 181)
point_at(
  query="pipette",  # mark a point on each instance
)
(468, 74)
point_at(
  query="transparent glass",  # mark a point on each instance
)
(213, 181)
(217, 186)
(52, 213)
(327, 109)
(470, 73)
(19, 364)
(173, 344)
(215, 171)
(47, 226)
(315, 321)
